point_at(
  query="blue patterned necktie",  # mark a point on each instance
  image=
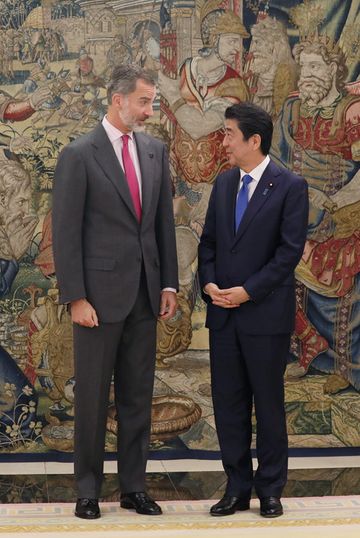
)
(242, 200)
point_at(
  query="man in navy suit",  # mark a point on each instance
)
(253, 238)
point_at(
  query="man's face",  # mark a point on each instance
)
(86, 65)
(229, 45)
(238, 150)
(17, 218)
(137, 107)
(262, 53)
(316, 77)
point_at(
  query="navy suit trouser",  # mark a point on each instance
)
(245, 370)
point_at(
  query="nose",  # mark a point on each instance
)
(149, 110)
(225, 142)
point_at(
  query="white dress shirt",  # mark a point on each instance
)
(115, 135)
(256, 174)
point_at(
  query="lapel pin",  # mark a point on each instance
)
(270, 184)
(265, 191)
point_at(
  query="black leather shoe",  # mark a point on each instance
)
(87, 508)
(228, 505)
(141, 502)
(271, 507)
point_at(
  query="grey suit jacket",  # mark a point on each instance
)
(99, 245)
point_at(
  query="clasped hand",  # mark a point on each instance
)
(227, 298)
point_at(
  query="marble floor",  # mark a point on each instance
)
(175, 480)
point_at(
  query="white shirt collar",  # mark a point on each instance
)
(258, 171)
(113, 132)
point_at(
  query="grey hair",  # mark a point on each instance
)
(124, 77)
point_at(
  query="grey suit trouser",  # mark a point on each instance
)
(127, 350)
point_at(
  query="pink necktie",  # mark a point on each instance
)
(131, 177)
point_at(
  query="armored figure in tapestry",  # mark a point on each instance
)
(206, 85)
(194, 104)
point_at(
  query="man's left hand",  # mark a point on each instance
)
(168, 304)
(234, 296)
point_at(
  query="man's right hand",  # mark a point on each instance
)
(83, 313)
(217, 298)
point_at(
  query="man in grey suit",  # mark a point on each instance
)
(116, 265)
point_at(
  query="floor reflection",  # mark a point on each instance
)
(176, 485)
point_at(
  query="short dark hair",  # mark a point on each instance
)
(124, 77)
(252, 119)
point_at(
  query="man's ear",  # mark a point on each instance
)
(117, 100)
(256, 141)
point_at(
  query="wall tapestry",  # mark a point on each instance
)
(299, 59)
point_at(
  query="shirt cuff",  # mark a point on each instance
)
(169, 289)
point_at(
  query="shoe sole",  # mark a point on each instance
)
(129, 506)
(87, 517)
(271, 515)
(240, 509)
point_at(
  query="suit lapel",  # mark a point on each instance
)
(264, 190)
(146, 160)
(231, 195)
(105, 156)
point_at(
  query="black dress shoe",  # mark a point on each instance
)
(228, 505)
(141, 502)
(271, 507)
(87, 508)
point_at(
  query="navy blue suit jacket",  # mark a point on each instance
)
(262, 255)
